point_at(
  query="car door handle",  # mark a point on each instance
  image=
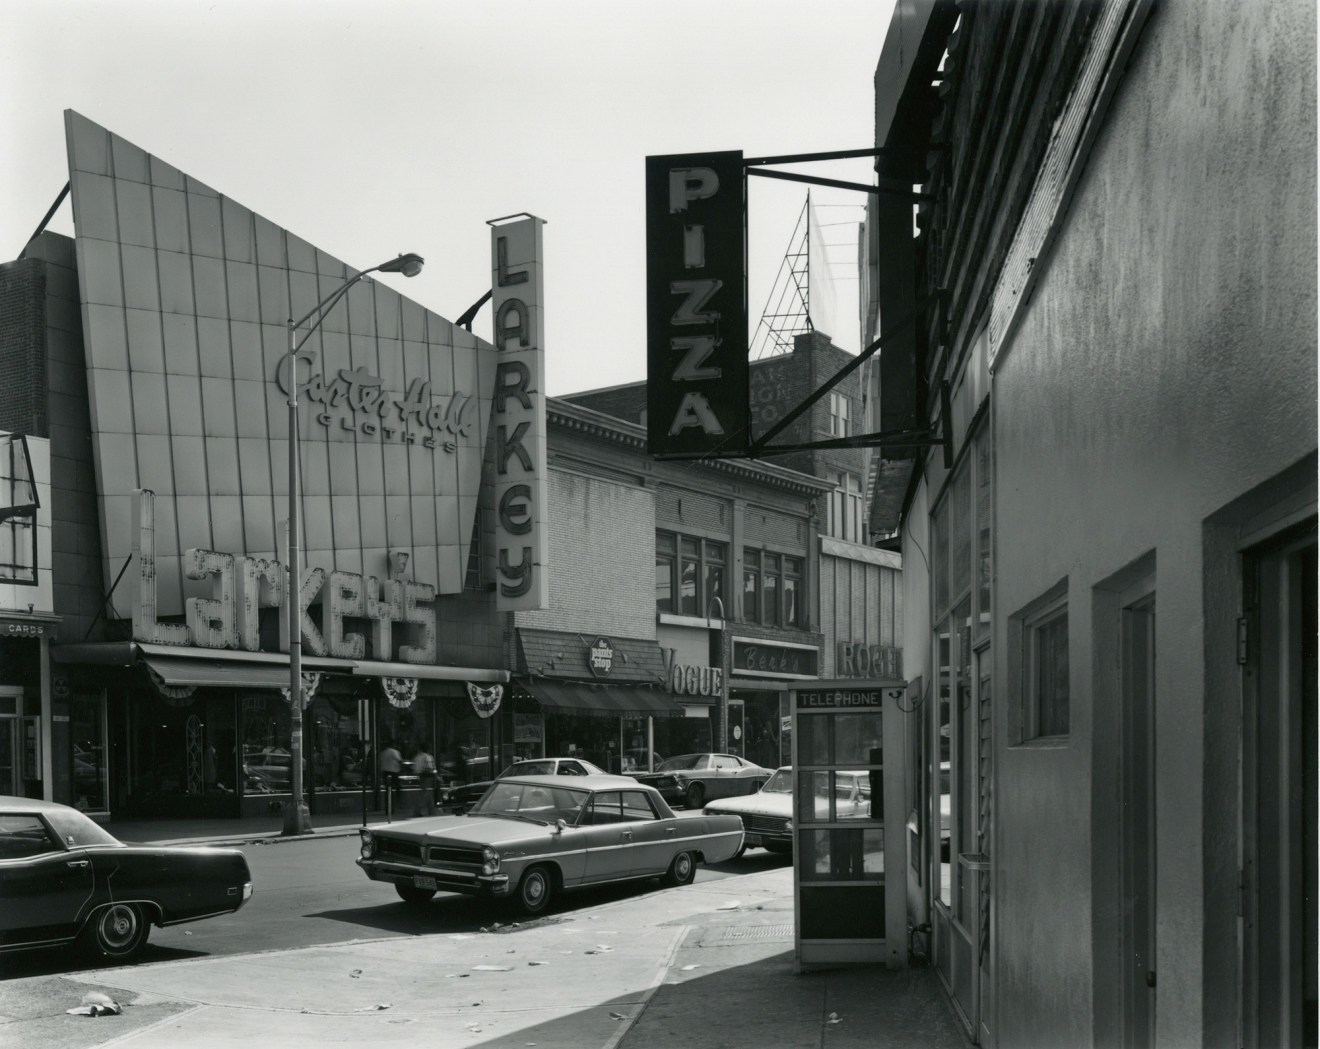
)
(626, 834)
(77, 863)
(671, 830)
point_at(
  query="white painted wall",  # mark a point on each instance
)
(1165, 365)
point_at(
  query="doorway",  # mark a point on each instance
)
(735, 743)
(1137, 846)
(9, 756)
(1279, 919)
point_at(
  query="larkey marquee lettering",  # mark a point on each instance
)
(396, 613)
(356, 400)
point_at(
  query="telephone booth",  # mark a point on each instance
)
(848, 824)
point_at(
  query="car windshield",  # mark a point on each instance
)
(531, 801)
(780, 783)
(683, 761)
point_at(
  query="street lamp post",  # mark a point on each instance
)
(296, 817)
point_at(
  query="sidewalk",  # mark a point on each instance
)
(705, 966)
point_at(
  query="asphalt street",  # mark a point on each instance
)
(310, 892)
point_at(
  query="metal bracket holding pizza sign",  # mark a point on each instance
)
(696, 309)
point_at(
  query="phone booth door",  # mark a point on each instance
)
(848, 824)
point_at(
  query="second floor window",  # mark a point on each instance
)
(772, 588)
(845, 508)
(838, 415)
(689, 574)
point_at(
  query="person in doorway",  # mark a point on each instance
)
(390, 765)
(208, 769)
(424, 766)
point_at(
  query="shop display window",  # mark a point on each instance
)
(266, 756)
(90, 774)
(336, 752)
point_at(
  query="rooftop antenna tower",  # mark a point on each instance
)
(787, 311)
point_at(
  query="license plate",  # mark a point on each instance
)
(423, 881)
(751, 839)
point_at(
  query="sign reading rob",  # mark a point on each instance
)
(696, 305)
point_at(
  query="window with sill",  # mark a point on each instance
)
(772, 588)
(844, 516)
(689, 573)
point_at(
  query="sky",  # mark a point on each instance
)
(371, 129)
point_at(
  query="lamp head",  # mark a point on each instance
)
(409, 265)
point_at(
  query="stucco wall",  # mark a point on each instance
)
(1165, 365)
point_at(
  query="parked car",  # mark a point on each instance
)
(77, 883)
(531, 837)
(461, 798)
(767, 815)
(696, 778)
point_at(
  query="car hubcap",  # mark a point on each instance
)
(684, 865)
(535, 889)
(118, 926)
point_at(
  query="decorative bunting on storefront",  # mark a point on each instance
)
(176, 695)
(485, 698)
(311, 681)
(400, 691)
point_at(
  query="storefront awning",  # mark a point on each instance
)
(570, 697)
(221, 674)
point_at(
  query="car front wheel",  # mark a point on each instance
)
(117, 931)
(412, 895)
(696, 796)
(535, 891)
(682, 869)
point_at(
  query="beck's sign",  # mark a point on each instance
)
(696, 305)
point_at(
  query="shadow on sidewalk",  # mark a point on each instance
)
(761, 1003)
(765, 1003)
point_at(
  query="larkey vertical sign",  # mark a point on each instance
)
(696, 305)
(518, 414)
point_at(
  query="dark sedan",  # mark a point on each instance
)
(459, 799)
(64, 879)
(695, 779)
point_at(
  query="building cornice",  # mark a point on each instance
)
(571, 416)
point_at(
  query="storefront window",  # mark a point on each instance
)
(407, 728)
(674, 736)
(266, 757)
(331, 734)
(87, 727)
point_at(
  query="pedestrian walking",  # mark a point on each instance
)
(424, 766)
(390, 765)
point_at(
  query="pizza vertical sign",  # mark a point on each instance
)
(696, 305)
(518, 414)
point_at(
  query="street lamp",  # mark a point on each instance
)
(296, 817)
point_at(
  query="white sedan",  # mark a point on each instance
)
(767, 815)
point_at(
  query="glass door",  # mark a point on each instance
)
(9, 756)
